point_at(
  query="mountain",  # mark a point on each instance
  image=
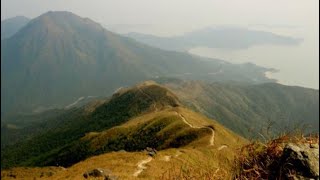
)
(252, 110)
(59, 57)
(219, 37)
(146, 115)
(12, 25)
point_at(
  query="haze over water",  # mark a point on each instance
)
(297, 64)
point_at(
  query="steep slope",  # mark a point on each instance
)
(250, 109)
(147, 115)
(12, 25)
(220, 37)
(58, 57)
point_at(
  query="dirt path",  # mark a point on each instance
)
(212, 137)
(211, 142)
(222, 147)
(185, 121)
(141, 166)
(167, 158)
(117, 90)
(74, 103)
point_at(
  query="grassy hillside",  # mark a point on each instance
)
(178, 144)
(56, 132)
(147, 115)
(252, 109)
(57, 135)
(189, 162)
(158, 130)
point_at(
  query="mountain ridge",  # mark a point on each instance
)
(218, 37)
(12, 25)
(249, 109)
(145, 115)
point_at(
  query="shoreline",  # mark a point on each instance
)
(268, 74)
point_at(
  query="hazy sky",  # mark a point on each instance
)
(169, 17)
(187, 14)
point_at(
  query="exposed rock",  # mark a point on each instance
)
(151, 151)
(299, 161)
(99, 172)
(12, 175)
(151, 154)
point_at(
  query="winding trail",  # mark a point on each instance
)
(222, 147)
(212, 137)
(141, 166)
(211, 142)
(74, 103)
(117, 90)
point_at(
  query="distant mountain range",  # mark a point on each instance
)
(218, 37)
(58, 57)
(12, 25)
(252, 110)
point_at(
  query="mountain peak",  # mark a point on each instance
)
(60, 22)
(59, 56)
(65, 18)
(59, 13)
(149, 83)
(152, 95)
(17, 18)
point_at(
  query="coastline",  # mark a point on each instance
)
(268, 74)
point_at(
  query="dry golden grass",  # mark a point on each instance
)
(203, 164)
(196, 160)
(148, 117)
(122, 164)
(221, 135)
(30, 173)
(184, 163)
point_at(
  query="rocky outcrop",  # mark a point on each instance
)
(151, 151)
(99, 172)
(299, 161)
